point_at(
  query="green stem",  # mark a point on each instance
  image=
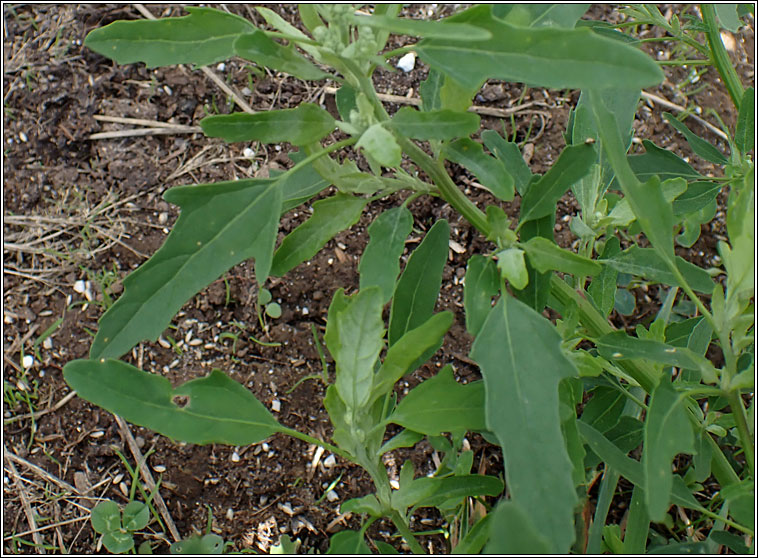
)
(720, 56)
(406, 532)
(311, 440)
(738, 411)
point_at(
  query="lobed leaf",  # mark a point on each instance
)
(548, 57)
(203, 37)
(380, 263)
(541, 15)
(542, 196)
(299, 126)
(330, 216)
(521, 387)
(419, 285)
(219, 410)
(424, 28)
(440, 404)
(698, 195)
(490, 172)
(661, 162)
(509, 154)
(482, 283)
(258, 48)
(434, 125)
(698, 145)
(668, 432)
(220, 226)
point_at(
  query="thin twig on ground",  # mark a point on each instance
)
(668, 104)
(33, 529)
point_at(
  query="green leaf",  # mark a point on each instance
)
(661, 162)
(220, 226)
(541, 198)
(440, 404)
(424, 28)
(136, 516)
(603, 286)
(330, 216)
(419, 285)
(512, 267)
(744, 136)
(355, 337)
(118, 542)
(406, 439)
(257, 47)
(199, 545)
(521, 387)
(557, 58)
(409, 350)
(219, 409)
(490, 172)
(475, 539)
(734, 542)
(366, 504)
(434, 491)
(434, 125)
(699, 146)
(645, 262)
(513, 531)
(439, 92)
(604, 410)
(380, 263)
(299, 126)
(106, 517)
(667, 432)
(541, 15)
(537, 291)
(203, 37)
(381, 145)
(348, 542)
(622, 214)
(728, 18)
(510, 155)
(698, 195)
(545, 255)
(299, 185)
(482, 283)
(620, 346)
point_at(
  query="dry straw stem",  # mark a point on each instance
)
(33, 530)
(669, 105)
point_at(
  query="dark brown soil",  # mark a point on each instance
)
(53, 172)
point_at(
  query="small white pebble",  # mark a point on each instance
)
(163, 218)
(8, 319)
(332, 496)
(330, 461)
(264, 446)
(407, 62)
(249, 153)
(123, 488)
(195, 342)
(159, 468)
(229, 514)
(80, 286)
(246, 91)
(22, 137)
(394, 484)
(97, 434)
(330, 261)
(118, 478)
(28, 361)
(235, 457)
(221, 67)
(167, 89)
(305, 310)
(48, 343)
(276, 405)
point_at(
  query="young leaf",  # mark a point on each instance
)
(545, 255)
(440, 404)
(419, 285)
(557, 58)
(348, 542)
(482, 283)
(541, 15)
(697, 196)
(354, 336)
(514, 531)
(106, 517)
(330, 216)
(668, 432)
(521, 387)
(136, 516)
(258, 48)
(603, 286)
(542, 197)
(512, 267)
(488, 170)
(409, 350)
(661, 162)
(218, 410)
(380, 263)
(280, 24)
(508, 153)
(439, 92)
(622, 213)
(433, 491)
(744, 136)
(699, 146)
(645, 262)
(475, 539)
(728, 18)
(203, 37)
(406, 439)
(434, 125)
(381, 145)
(620, 346)
(536, 293)
(299, 126)
(301, 185)
(220, 226)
